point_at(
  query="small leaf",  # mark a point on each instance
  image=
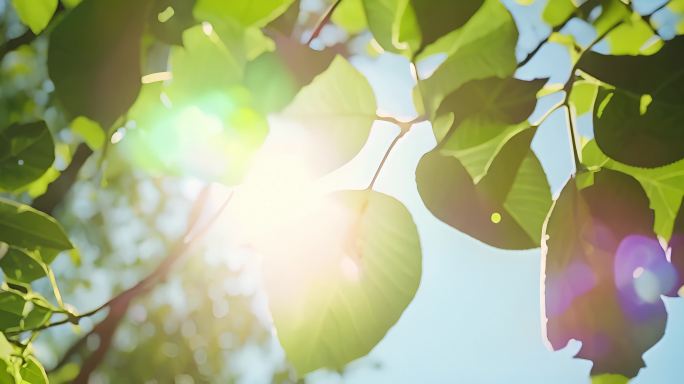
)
(505, 209)
(24, 227)
(604, 273)
(334, 114)
(11, 310)
(436, 18)
(22, 266)
(26, 153)
(32, 372)
(341, 277)
(35, 13)
(94, 58)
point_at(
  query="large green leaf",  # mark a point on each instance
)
(24, 227)
(505, 209)
(245, 12)
(639, 122)
(335, 114)
(26, 153)
(664, 185)
(436, 18)
(35, 13)
(341, 277)
(492, 27)
(604, 273)
(94, 58)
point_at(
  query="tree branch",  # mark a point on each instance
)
(119, 304)
(325, 18)
(27, 37)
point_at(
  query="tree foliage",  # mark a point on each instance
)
(192, 88)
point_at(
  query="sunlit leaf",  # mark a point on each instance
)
(639, 122)
(26, 153)
(343, 274)
(334, 114)
(90, 131)
(35, 13)
(94, 58)
(393, 24)
(23, 226)
(492, 27)
(32, 372)
(604, 273)
(505, 209)
(350, 16)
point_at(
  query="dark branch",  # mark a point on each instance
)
(325, 18)
(27, 37)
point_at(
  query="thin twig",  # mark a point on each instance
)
(544, 41)
(325, 18)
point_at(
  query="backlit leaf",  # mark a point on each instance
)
(26, 153)
(245, 12)
(35, 13)
(436, 18)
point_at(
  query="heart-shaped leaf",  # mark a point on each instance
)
(340, 276)
(505, 209)
(604, 273)
(639, 123)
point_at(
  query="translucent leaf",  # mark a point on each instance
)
(436, 18)
(26, 153)
(32, 372)
(393, 24)
(350, 16)
(505, 209)
(94, 58)
(35, 13)
(333, 115)
(24, 227)
(604, 273)
(90, 131)
(340, 277)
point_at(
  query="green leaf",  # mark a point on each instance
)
(245, 12)
(393, 24)
(35, 13)
(335, 114)
(94, 58)
(583, 96)
(169, 18)
(24, 227)
(32, 372)
(26, 153)
(90, 131)
(556, 12)
(350, 16)
(22, 266)
(505, 209)
(639, 123)
(436, 18)
(343, 274)
(609, 379)
(492, 27)
(664, 186)
(604, 273)
(11, 310)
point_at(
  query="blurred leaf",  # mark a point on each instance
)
(245, 12)
(335, 114)
(11, 310)
(350, 16)
(303, 62)
(609, 379)
(23, 226)
(90, 131)
(22, 266)
(32, 372)
(604, 273)
(26, 153)
(35, 13)
(492, 27)
(583, 96)
(664, 186)
(352, 266)
(436, 18)
(169, 18)
(268, 77)
(639, 123)
(94, 58)
(505, 209)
